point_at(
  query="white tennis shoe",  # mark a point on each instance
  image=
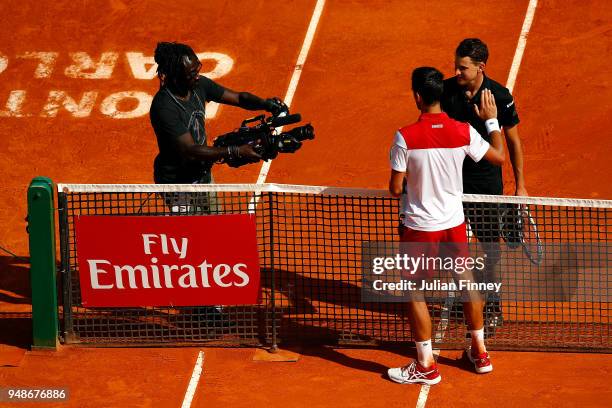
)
(482, 362)
(414, 373)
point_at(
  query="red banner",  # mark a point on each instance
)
(167, 260)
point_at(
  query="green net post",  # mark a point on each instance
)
(41, 228)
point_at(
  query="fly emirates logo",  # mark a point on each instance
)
(159, 274)
(167, 260)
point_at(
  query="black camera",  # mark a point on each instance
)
(260, 133)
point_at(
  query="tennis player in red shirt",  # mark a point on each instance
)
(427, 157)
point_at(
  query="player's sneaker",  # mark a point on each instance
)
(482, 362)
(414, 373)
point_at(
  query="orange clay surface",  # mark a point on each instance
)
(355, 89)
(322, 377)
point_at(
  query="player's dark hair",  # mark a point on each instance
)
(473, 48)
(428, 82)
(169, 59)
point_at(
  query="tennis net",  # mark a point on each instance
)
(552, 259)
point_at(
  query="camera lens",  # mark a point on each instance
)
(300, 133)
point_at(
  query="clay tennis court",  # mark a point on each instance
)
(73, 107)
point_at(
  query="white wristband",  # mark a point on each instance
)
(492, 125)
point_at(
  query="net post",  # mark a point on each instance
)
(66, 272)
(41, 230)
(274, 347)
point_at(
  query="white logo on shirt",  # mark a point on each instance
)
(437, 126)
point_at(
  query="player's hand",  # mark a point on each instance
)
(276, 106)
(488, 109)
(246, 151)
(521, 191)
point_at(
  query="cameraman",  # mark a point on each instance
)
(177, 115)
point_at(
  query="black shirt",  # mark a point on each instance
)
(172, 117)
(482, 177)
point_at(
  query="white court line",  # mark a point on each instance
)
(514, 68)
(297, 73)
(193, 383)
(440, 330)
(522, 43)
(295, 78)
(423, 395)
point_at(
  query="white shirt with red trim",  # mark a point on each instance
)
(431, 152)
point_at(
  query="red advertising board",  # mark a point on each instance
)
(167, 260)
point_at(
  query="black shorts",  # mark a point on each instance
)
(200, 203)
(490, 221)
(192, 203)
(484, 220)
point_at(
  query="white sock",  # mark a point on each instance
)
(478, 339)
(425, 353)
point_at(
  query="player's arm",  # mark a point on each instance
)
(495, 154)
(248, 101)
(488, 112)
(396, 183)
(398, 158)
(515, 149)
(190, 150)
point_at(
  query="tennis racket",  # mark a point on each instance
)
(519, 228)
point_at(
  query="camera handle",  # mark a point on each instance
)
(259, 118)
